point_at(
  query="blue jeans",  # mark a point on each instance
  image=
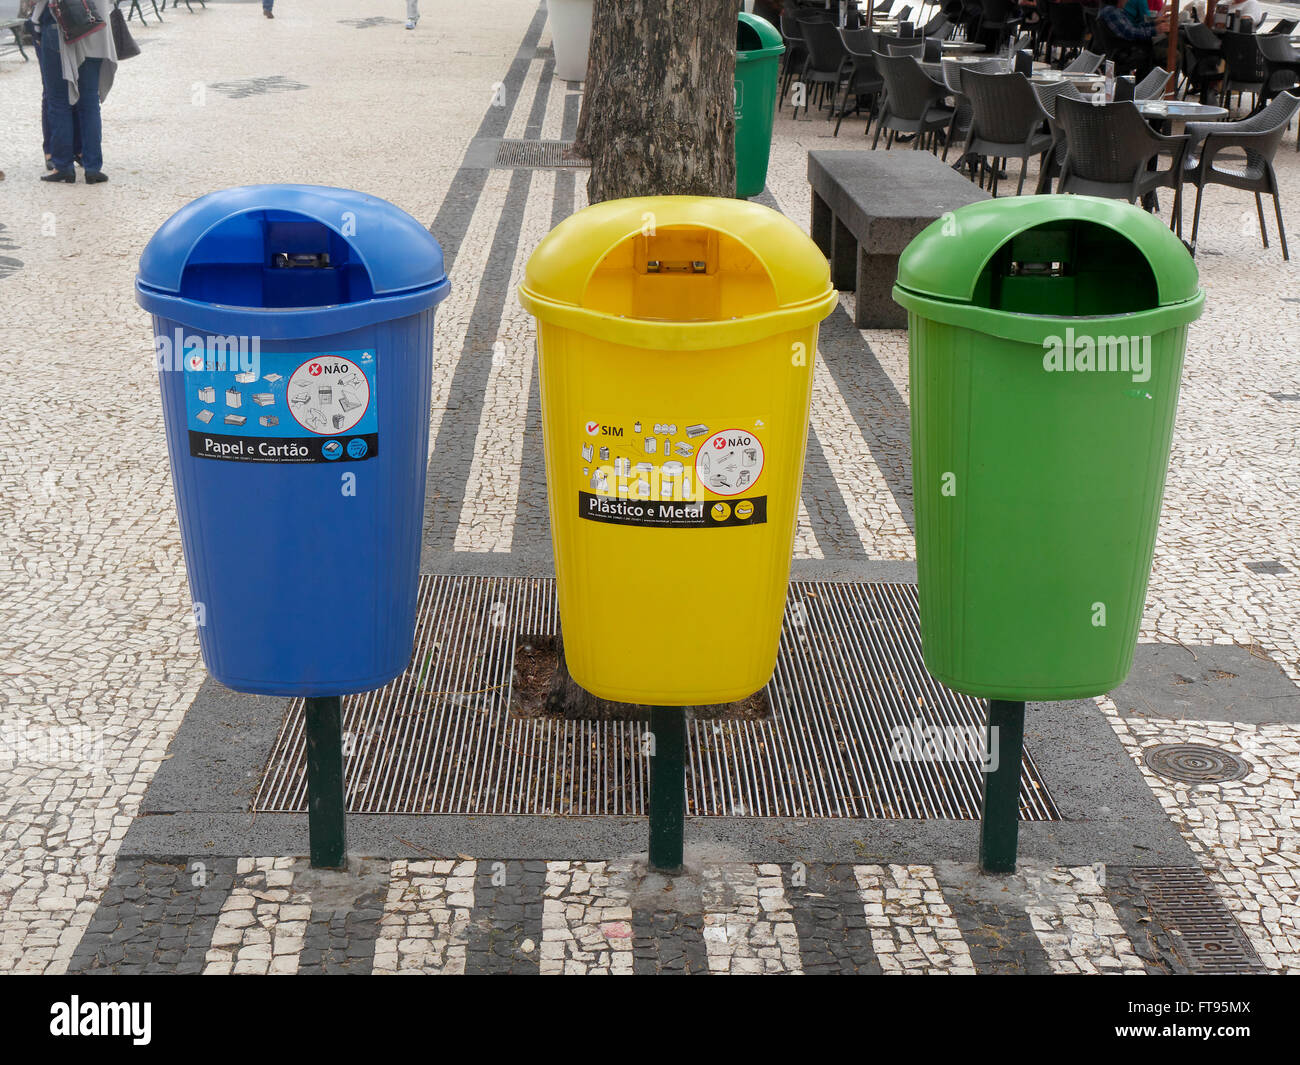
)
(268, 4)
(45, 108)
(60, 111)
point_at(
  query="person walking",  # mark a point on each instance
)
(412, 13)
(77, 76)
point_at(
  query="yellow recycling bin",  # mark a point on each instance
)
(676, 338)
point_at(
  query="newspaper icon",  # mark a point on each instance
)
(235, 419)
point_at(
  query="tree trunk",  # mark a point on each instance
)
(658, 115)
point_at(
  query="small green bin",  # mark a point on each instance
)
(1047, 337)
(758, 55)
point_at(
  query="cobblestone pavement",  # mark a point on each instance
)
(97, 653)
(570, 918)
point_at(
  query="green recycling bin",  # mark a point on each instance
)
(1047, 337)
(758, 54)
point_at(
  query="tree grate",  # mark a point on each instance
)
(1206, 935)
(857, 727)
(524, 155)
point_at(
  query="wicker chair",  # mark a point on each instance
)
(796, 54)
(1258, 137)
(1281, 62)
(938, 28)
(864, 80)
(1048, 95)
(826, 64)
(1202, 54)
(1007, 122)
(1085, 62)
(913, 101)
(962, 113)
(1152, 87)
(1244, 68)
(1109, 148)
(916, 49)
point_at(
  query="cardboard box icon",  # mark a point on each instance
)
(263, 399)
(268, 420)
(245, 378)
(235, 419)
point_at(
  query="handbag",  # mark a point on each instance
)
(76, 19)
(123, 42)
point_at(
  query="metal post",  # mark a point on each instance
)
(1171, 56)
(1000, 811)
(667, 787)
(326, 824)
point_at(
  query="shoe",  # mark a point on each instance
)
(410, 23)
(69, 176)
(268, 14)
(95, 177)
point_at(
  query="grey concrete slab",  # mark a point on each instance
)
(1221, 682)
(217, 755)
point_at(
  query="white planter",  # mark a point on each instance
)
(571, 35)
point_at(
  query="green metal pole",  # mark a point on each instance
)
(326, 824)
(1000, 812)
(667, 787)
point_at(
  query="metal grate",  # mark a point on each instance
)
(1194, 763)
(533, 154)
(858, 728)
(1271, 565)
(1209, 937)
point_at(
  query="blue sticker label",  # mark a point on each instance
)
(317, 407)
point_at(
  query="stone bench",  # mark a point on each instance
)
(866, 208)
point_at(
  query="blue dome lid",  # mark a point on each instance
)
(249, 224)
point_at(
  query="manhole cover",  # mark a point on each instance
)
(1195, 763)
(1208, 937)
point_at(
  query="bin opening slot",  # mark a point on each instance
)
(1072, 268)
(681, 274)
(276, 260)
(747, 38)
(1054, 269)
(658, 266)
(286, 260)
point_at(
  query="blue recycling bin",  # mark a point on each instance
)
(293, 332)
